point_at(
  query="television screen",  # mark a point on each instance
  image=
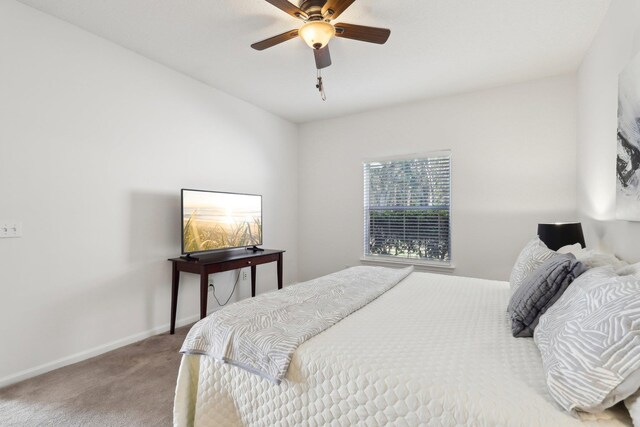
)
(214, 220)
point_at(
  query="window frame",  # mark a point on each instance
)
(441, 266)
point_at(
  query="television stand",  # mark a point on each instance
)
(255, 249)
(216, 263)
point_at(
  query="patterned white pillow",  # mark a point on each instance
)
(531, 257)
(590, 341)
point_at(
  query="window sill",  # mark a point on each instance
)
(436, 267)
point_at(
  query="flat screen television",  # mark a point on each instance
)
(214, 220)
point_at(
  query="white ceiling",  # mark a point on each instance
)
(437, 47)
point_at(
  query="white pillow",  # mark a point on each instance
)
(589, 341)
(633, 405)
(531, 257)
(592, 257)
(629, 270)
(570, 249)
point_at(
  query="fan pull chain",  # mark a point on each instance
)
(320, 86)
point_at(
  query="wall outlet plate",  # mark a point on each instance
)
(10, 229)
(245, 275)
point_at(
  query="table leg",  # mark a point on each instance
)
(253, 280)
(204, 288)
(174, 296)
(279, 271)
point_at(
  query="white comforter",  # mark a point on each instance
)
(435, 350)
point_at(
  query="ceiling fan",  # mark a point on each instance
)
(318, 30)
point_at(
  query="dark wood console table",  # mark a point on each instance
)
(216, 263)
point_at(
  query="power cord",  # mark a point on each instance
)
(230, 295)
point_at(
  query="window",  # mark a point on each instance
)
(407, 208)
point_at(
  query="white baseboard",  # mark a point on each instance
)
(87, 354)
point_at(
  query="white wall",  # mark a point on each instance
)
(513, 166)
(95, 143)
(613, 47)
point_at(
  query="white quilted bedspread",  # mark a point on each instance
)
(435, 351)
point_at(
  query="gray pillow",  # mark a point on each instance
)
(540, 290)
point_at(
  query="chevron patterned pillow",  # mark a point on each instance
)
(590, 341)
(531, 257)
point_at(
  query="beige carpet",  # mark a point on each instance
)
(130, 386)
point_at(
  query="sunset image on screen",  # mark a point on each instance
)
(220, 220)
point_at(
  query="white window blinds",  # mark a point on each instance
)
(406, 208)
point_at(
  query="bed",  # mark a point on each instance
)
(434, 350)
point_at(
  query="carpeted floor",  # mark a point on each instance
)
(130, 386)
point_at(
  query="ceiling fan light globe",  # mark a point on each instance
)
(316, 34)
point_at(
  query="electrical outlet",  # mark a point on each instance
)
(245, 275)
(10, 229)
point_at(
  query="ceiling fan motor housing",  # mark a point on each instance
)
(313, 9)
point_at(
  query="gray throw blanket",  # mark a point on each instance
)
(261, 334)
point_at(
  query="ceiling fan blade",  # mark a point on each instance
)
(323, 57)
(288, 7)
(362, 33)
(272, 41)
(337, 6)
